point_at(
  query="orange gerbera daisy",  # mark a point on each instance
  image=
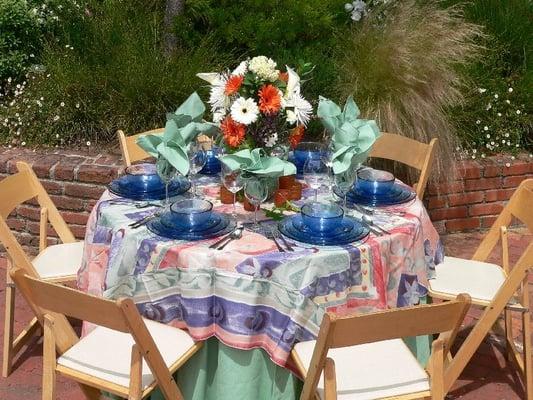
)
(284, 76)
(233, 132)
(296, 135)
(233, 85)
(269, 99)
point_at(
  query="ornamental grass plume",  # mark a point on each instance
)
(404, 71)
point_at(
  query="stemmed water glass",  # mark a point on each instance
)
(327, 159)
(345, 181)
(197, 159)
(166, 172)
(233, 181)
(315, 174)
(256, 191)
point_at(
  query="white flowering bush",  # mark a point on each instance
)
(499, 123)
(27, 116)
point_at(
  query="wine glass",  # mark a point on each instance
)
(315, 174)
(233, 181)
(166, 172)
(345, 181)
(197, 159)
(256, 191)
(327, 159)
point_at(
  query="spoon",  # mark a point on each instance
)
(235, 235)
(371, 222)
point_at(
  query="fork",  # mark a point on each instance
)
(144, 220)
(287, 244)
(270, 235)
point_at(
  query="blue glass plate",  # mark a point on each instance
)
(398, 194)
(176, 187)
(350, 231)
(223, 227)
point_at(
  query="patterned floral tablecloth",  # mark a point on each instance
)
(250, 295)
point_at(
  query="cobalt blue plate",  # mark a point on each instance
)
(221, 225)
(124, 187)
(349, 231)
(397, 195)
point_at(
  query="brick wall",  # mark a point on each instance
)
(476, 197)
(75, 180)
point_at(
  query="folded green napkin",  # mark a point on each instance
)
(352, 138)
(182, 127)
(256, 162)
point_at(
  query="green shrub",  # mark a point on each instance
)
(287, 31)
(24, 27)
(112, 75)
(19, 37)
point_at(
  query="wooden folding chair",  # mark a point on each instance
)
(58, 263)
(131, 152)
(407, 151)
(125, 354)
(493, 287)
(364, 357)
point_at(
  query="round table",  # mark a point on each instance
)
(256, 301)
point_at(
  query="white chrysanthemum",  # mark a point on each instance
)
(272, 140)
(244, 111)
(301, 107)
(219, 115)
(241, 69)
(264, 67)
(217, 97)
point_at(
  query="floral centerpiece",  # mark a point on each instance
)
(257, 105)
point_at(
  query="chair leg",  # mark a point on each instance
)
(49, 360)
(508, 321)
(9, 319)
(528, 362)
(136, 374)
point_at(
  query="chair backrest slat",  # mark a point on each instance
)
(519, 206)
(398, 323)
(131, 151)
(15, 190)
(407, 151)
(394, 147)
(72, 303)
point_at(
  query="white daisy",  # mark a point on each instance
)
(241, 69)
(244, 111)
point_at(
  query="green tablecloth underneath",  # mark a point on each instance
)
(219, 372)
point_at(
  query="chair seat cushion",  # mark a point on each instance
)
(372, 370)
(59, 260)
(106, 354)
(480, 280)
